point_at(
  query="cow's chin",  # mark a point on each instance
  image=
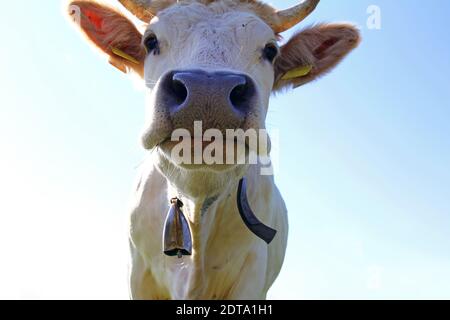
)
(202, 162)
(197, 180)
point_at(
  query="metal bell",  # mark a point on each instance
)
(177, 234)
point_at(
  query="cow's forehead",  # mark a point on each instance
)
(185, 18)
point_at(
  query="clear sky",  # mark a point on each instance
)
(364, 160)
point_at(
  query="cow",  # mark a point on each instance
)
(217, 62)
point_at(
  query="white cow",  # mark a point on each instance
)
(215, 62)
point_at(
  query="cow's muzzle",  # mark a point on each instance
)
(221, 100)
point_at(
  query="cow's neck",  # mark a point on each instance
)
(210, 215)
(202, 208)
(209, 211)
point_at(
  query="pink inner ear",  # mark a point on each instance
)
(95, 19)
(320, 51)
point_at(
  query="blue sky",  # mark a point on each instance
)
(364, 160)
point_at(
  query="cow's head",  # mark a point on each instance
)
(211, 61)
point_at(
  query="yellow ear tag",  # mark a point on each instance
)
(124, 55)
(297, 73)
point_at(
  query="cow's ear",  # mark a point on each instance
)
(111, 32)
(313, 52)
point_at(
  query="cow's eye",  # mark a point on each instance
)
(151, 44)
(270, 52)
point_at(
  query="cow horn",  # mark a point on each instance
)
(145, 10)
(292, 16)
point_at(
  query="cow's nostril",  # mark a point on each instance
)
(240, 96)
(179, 91)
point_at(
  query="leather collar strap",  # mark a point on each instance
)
(251, 221)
